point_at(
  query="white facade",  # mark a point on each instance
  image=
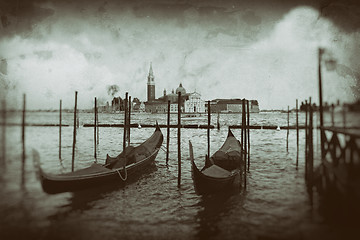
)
(194, 104)
(173, 107)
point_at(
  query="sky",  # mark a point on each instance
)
(259, 49)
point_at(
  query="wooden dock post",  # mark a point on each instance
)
(95, 122)
(179, 139)
(332, 115)
(306, 138)
(97, 126)
(129, 121)
(125, 121)
(23, 141)
(243, 155)
(344, 116)
(287, 132)
(297, 134)
(310, 141)
(321, 51)
(218, 120)
(248, 133)
(60, 125)
(245, 135)
(208, 128)
(74, 134)
(168, 133)
(3, 135)
(242, 129)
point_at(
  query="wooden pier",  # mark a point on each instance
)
(337, 178)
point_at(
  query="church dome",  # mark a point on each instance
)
(181, 89)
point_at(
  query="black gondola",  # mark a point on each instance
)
(136, 159)
(220, 169)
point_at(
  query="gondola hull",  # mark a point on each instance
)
(205, 184)
(114, 171)
(53, 184)
(219, 173)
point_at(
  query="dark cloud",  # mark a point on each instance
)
(20, 16)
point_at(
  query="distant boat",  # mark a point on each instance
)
(220, 170)
(113, 171)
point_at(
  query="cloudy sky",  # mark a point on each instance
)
(259, 49)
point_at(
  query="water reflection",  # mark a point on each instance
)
(214, 209)
(84, 200)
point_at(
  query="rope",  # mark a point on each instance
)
(125, 178)
(163, 148)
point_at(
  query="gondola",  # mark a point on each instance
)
(220, 169)
(113, 171)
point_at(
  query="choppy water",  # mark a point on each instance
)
(275, 204)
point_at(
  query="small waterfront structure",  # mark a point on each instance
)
(232, 105)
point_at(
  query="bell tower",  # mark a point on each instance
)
(151, 85)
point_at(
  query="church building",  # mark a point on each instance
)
(191, 102)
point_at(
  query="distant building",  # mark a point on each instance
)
(194, 104)
(117, 104)
(151, 85)
(232, 105)
(191, 102)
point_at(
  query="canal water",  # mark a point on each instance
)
(275, 204)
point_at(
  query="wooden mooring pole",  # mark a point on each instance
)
(287, 132)
(23, 141)
(125, 121)
(208, 129)
(3, 135)
(310, 141)
(248, 133)
(179, 139)
(60, 125)
(129, 121)
(243, 156)
(297, 134)
(168, 133)
(245, 135)
(310, 182)
(306, 137)
(242, 130)
(332, 115)
(95, 127)
(74, 134)
(218, 121)
(321, 51)
(344, 116)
